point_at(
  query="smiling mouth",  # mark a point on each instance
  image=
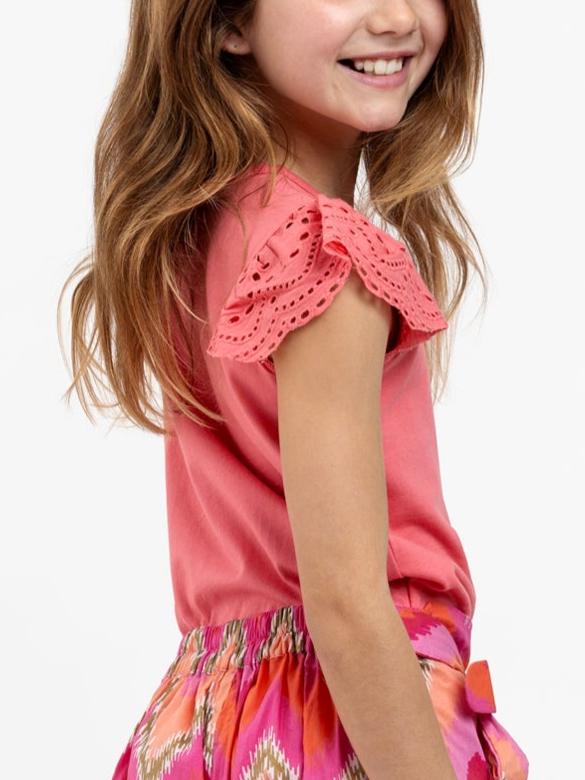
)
(370, 71)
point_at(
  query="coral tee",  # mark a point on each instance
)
(271, 268)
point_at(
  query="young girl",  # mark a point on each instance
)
(323, 597)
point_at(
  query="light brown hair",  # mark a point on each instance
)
(185, 119)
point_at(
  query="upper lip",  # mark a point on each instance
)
(383, 55)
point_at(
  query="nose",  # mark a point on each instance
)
(398, 17)
(478, 687)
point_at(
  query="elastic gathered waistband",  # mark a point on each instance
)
(437, 630)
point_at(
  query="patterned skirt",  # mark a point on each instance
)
(247, 700)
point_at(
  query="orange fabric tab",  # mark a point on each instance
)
(478, 687)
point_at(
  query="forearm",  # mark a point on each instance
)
(378, 689)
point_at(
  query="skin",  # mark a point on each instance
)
(296, 45)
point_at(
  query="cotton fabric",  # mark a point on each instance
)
(231, 547)
(247, 699)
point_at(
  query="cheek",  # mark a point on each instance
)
(434, 24)
(295, 73)
(286, 69)
(295, 43)
(432, 15)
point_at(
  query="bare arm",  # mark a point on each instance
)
(328, 378)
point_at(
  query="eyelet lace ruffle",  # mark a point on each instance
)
(301, 268)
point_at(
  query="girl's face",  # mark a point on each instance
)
(297, 46)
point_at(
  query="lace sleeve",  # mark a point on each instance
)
(300, 269)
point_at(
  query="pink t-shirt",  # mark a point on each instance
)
(269, 270)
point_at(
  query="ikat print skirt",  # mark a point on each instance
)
(247, 700)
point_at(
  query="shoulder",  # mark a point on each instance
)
(254, 214)
(300, 251)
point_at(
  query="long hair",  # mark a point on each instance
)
(185, 119)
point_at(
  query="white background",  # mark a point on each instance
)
(87, 613)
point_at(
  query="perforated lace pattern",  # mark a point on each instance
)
(302, 267)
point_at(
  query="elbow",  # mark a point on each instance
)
(354, 606)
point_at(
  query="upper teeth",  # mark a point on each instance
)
(379, 67)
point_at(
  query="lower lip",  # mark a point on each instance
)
(392, 80)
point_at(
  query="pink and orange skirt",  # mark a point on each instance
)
(247, 700)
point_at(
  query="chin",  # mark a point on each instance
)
(376, 125)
